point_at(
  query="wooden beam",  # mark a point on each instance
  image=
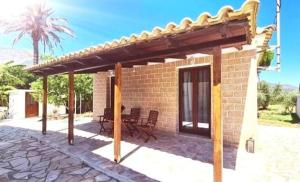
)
(44, 115)
(190, 42)
(117, 112)
(217, 116)
(99, 58)
(71, 109)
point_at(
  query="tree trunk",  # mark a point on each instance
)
(35, 51)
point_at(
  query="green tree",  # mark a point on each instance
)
(277, 94)
(84, 90)
(38, 23)
(9, 80)
(290, 101)
(26, 78)
(58, 89)
(264, 95)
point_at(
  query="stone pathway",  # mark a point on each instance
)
(23, 158)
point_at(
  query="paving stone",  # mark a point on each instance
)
(81, 171)
(4, 171)
(32, 153)
(40, 174)
(33, 179)
(19, 161)
(70, 169)
(102, 177)
(52, 175)
(34, 160)
(41, 164)
(54, 165)
(88, 180)
(76, 179)
(22, 167)
(20, 154)
(92, 173)
(59, 157)
(4, 164)
(5, 145)
(64, 178)
(23, 175)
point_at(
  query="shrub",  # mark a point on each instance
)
(263, 99)
(277, 95)
(289, 102)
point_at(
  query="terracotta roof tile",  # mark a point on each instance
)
(248, 9)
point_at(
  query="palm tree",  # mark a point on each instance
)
(37, 22)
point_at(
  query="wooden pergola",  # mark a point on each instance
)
(230, 28)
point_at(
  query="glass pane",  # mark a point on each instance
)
(187, 100)
(203, 99)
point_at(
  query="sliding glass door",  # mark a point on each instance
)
(194, 100)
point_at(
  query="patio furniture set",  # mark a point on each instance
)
(132, 122)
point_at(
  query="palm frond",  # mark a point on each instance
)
(20, 35)
(37, 21)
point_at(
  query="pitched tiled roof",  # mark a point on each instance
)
(266, 32)
(227, 13)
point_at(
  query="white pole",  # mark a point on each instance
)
(80, 104)
(278, 5)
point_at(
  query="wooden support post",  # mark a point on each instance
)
(217, 116)
(117, 112)
(71, 109)
(44, 115)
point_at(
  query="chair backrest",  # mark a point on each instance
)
(135, 113)
(153, 116)
(107, 113)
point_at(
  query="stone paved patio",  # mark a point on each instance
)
(25, 159)
(170, 158)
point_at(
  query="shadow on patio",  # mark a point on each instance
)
(170, 158)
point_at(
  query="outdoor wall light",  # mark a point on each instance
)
(250, 145)
(111, 73)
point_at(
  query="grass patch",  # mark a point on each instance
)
(275, 115)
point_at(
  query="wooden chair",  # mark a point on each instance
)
(105, 118)
(148, 125)
(131, 120)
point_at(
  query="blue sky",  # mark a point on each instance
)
(97, 21)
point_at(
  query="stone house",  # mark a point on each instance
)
(199, 75)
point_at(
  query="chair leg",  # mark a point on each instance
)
(102, 127)
(127, 125)
(149, 135)
(153, 136)
(147, 139)
(135, 128)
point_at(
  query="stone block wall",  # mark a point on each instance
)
(156, 87)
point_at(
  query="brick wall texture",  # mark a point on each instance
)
(156, 87)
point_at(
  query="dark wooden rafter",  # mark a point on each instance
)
(205, 47)
(71, 109)
(124, 65)
(181, 44)
(61, 65)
